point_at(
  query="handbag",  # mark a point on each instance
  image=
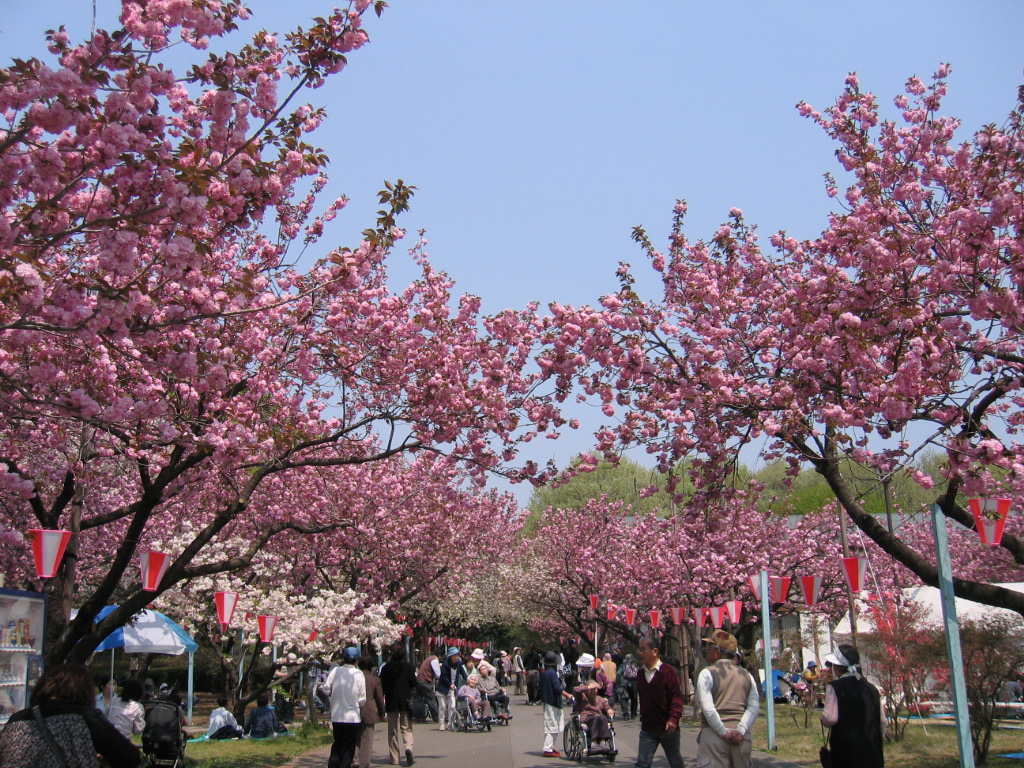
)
(825, 754)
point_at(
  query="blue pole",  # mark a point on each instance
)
(766, 631)
(953, 652)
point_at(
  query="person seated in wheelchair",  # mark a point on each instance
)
(471, 694)
(494, 693)
(595, 713)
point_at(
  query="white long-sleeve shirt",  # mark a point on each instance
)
(706, 701)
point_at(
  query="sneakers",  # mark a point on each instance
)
(552, 753)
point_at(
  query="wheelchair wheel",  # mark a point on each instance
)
(572, 742)
(455, 721)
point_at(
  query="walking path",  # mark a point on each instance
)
(517, 745)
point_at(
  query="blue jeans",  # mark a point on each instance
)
(649, 741)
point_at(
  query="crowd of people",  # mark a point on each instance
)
(68, 723)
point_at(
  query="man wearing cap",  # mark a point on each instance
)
(661, 706)
(346, 686)
(728, 706)
(453, 676)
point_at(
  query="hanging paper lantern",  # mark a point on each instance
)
(612, 611)
(225, 602)
(718, 614)
(990, 518)
(590, 635)
(677, 616)
(312, 635)
(811, 587)
(154, 565)
(780, 588)
(855, 569)
(593, 603)
(734, 608)
(48, 550)
(631, 616)
(755, 586)
(267, 626)
(655, 619)
(699, 616)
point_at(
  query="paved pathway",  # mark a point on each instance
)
(517, 745)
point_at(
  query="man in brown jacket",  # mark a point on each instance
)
(728, 704)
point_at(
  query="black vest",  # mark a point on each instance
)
(856, 739)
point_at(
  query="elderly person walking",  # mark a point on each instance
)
(661, 706)
(853, 710)
(453, 676)
(728, 705)
(399, 681)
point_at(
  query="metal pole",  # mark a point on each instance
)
(191, 683)
(953, 652)
(766, 631)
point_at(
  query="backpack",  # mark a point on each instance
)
(630, 670)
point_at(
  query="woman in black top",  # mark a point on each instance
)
(853, 709)
(64, 700)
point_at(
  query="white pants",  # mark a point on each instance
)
(553, 724)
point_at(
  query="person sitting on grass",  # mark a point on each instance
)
(262, 722)
(222, 723)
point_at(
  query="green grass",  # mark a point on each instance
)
(934, 748)
(253, 753)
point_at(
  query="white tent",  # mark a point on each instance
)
(930, 598)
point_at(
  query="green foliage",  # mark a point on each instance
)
(624, 481)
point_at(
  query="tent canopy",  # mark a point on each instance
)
(148, 632)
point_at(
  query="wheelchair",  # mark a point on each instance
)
(576, 742)
(463, 719)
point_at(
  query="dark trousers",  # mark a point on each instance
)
(533, 685)
(649, 741)
(346, 739)
(429, 698)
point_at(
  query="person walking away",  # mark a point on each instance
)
(552, 696)
(533, 665)
(452, 677)
(853, 711)
(728, 705)
(399, 681)
(627, 681)
(346, 687)
(63, 702)
(426, 679)
(371, 711)
(222, 723)
(611, 671)
(518, 671)
(661, 706)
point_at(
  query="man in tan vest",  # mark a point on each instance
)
(728, 704)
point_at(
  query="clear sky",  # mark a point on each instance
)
(540, 133)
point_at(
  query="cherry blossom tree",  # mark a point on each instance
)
(166, 370)
(896, 331)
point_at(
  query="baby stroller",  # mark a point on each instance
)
(163, 741)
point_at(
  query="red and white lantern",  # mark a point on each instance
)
(267, 626)
(677, 616)
(735, 610)
(990, 518)
(154, 565)
(718, 614)
(48, 550)
(593, 603)
(699, 616)
(612, 611)
(755, 586)
(855, 569)
(631, 616)
(779, 586)
(312, 635)
(811, 588)
(655, 619)
(225, 602)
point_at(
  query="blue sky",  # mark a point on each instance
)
(540, 133)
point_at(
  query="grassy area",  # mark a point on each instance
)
(252, 753)
(927, 744)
